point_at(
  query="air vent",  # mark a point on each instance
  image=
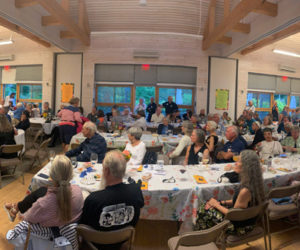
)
(287, 68)
(7, 57)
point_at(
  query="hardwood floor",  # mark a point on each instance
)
(149, 234)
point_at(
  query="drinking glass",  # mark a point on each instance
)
(160, 164)
(94, 158)
(51, 155)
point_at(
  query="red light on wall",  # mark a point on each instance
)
(7, 67)
(284, 78)
(145, 66)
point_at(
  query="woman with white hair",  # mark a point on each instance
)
(59, 204)
(259, 136)
(136, 147)
(212, 139)
(185, 141)
(18, 112)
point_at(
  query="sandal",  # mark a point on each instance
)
(12, 212)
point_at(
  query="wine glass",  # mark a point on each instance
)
(51, 155)
(94, 158)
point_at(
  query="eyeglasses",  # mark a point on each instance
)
(170, 180)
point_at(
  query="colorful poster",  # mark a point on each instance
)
(222, 99)
(67, 92)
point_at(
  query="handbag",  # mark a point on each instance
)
(233, 177)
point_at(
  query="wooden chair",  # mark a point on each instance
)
(152, 130)
(35, 153)
(11, 164)
(156, 149)
(276, 212)
(236, 214)
(91, 236)
(198, 240)
(74, 145)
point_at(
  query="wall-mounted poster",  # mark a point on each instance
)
(222, 99)
(67, 92)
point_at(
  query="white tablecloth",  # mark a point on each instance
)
(20, 138)
(179, 201)
(48, 127)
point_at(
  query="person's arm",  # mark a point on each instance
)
(98, 147)
(187, 155)
(211, 144)
(77, 117)
(74, 152)
(206, 154)
(39, 210)
(141, 153)
(59, 114)
(182, 144)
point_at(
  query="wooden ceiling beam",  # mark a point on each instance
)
(59, 13)
(291, 30)
(210, 23)
(83, 17)
(242, 27)
(267, 8)
(242, 9)
(225, 40)
(50, 21)
(15, 28)
(25, 3)
(226, 8)
(65, 34)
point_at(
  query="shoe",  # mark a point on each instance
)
(11, 213)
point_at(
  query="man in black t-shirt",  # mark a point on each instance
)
(170, 106)
(116, 206)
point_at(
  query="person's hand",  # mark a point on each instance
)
(294, 150)
(220, 155)
(213, 202)
(207, 206)
(168, 154)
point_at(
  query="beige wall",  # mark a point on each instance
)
(118, 49)
(262, 61)
(27, 52)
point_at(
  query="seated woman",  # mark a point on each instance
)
(136, 147)
(185, 141)
(83, 120)
(267, 123)
(165, 127)
(101, 121)
(59, 204)
(141, 121)
(226, 120)
(259, 136)
(249, 193)
(29, 109)
(36, 111)
(212, 139)
(268, 148)
(24, 122)
(7, 133)
(195, 121)
(197, 150)
(116, 119)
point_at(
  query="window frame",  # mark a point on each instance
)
(28, 100)
(105, 104)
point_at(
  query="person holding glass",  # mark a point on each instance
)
(268, 148)
(136, 147)
(94, 143)
(198, 150)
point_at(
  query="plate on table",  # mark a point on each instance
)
(88, 180)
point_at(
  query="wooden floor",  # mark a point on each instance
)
(149, 234)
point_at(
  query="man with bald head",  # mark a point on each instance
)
(118, 204)
(94, 143)
(232, 147)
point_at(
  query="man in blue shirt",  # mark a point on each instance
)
(249, 121)
(18, 112)
(232, 147)
(94, 143)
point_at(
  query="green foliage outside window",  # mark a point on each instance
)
(144, 92)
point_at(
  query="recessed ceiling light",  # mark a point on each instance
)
(143, 2)
(5, 42)
(286, 53)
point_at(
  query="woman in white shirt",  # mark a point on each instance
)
(136, 147)
(141, 121)
(269, 147)
(185, 141)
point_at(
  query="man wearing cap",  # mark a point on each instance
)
(259, 135)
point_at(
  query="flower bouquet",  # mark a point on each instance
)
(127, 155)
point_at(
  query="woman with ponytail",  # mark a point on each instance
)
(60, 204)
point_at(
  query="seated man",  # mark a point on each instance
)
(18, 112)
(157, 117)
(292, 143)
(164, 127)
(94, 143)
(233, 146)
(249, 121)
(118, 204)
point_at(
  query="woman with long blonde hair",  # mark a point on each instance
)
(249, 193)
(7, 133)
(59, 204)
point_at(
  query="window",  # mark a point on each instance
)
(144, 92)
(7, 89)
(30, 92)
(282, 101)
(107, 96)
(261, 102)
(294, 102)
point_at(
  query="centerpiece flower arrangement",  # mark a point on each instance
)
(127, 155)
